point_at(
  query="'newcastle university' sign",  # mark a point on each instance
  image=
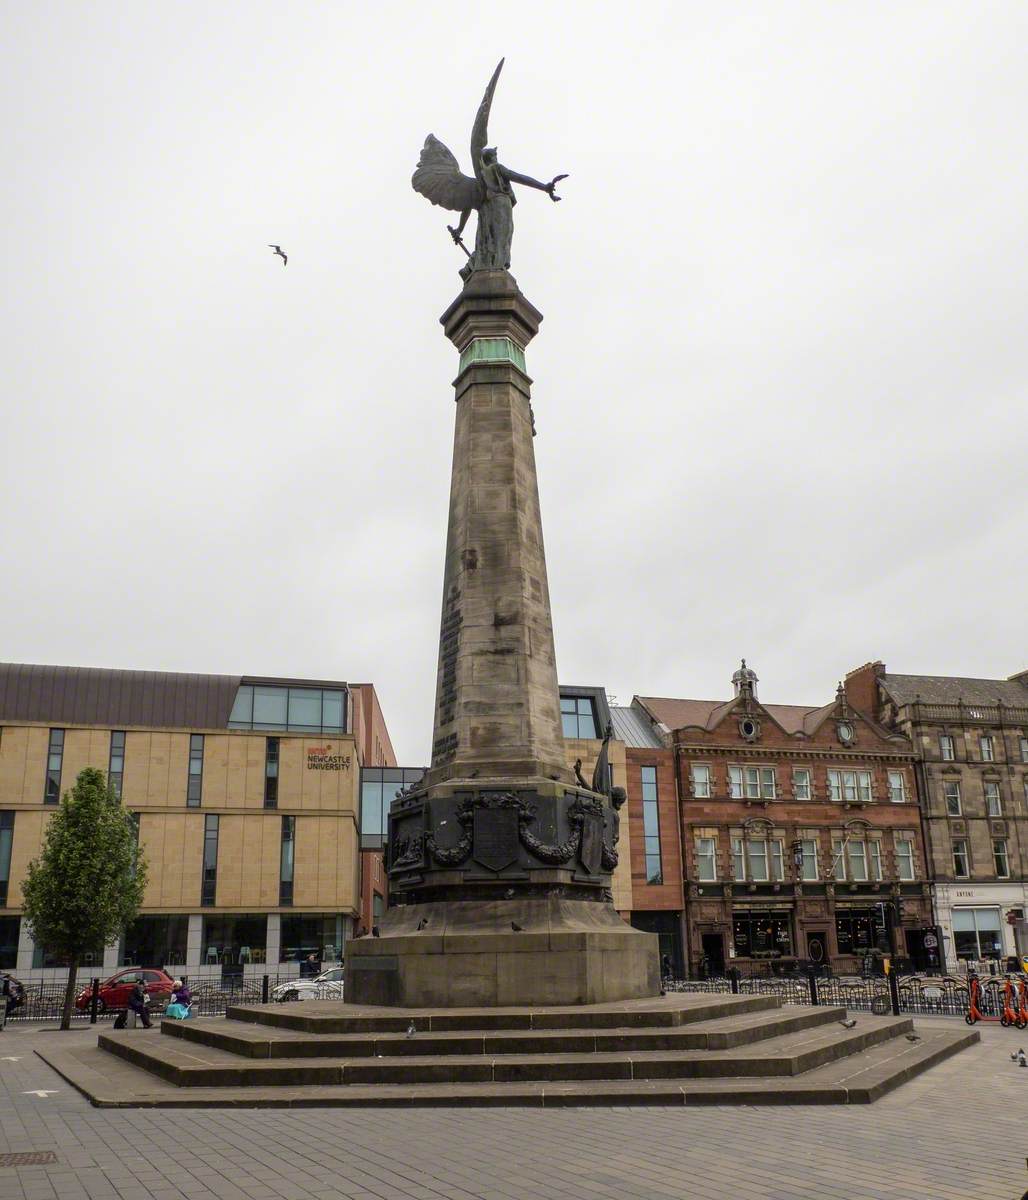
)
(321, 758)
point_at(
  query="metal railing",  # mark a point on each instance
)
(211, 998)
(922, 995)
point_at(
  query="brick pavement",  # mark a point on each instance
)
(956, 1132)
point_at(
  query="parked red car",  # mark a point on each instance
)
(115, 992)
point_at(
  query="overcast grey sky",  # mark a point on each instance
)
(780, 387)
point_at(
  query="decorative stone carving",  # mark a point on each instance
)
(409, 852)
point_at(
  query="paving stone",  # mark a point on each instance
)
(955, 1131)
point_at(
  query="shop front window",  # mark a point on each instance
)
(155, 942)
(10, 927)
(320, 934)
(235, 940)
(977, 933)
(856, 931)
(762, 934)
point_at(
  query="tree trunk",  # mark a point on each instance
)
(69, 994)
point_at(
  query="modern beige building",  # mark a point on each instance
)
(245, 792)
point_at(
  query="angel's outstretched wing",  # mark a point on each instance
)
(440, 178)
(480, 129)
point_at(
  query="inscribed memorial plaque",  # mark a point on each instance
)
(495, 837)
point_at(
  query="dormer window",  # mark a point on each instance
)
(578, 717)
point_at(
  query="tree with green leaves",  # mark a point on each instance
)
(88, 882)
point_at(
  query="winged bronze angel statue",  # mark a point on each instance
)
(439, 177)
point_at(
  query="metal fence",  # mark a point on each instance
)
(916, 994)
(211, 998)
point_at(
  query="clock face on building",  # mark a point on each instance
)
(845, 732)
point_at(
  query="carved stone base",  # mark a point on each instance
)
(468, 955)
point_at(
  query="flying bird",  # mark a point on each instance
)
(280, 252)
(848, 1024)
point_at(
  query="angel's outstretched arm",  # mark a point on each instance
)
(528, 181)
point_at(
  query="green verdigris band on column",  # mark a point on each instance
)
(492, 350)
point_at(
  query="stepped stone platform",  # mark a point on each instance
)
(680, 1049)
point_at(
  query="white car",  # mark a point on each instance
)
(326, 986)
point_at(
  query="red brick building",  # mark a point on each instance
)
(800, 831)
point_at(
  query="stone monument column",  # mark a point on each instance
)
(497, 705)
(499, 861)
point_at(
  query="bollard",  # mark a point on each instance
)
(733, 978)
(94, 1001)
(812, 980)
(894, 991)
(264, 989)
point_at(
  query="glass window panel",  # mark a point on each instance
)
(801, 784)
(270, 706)
(567, 705)
(586, 719)
(706, 859)
(701, 782)
(905, 858)
(777, 860)
(242, 709)
(838, 860)
(946, 747)
(875, 851)
(834, 785)
(286, 868)
(752, 780)
(857, 862)
(896, 788)
(987, 919)
(992, 801)
(756, 851)
(963, 918)
(849, 786)
(767, 782)
(304, 708)
(999, 854)
(738, 861)
(864, 786)
(155, 941)
(951, 790)
(650, 824)
(735, 782)
(332, 711)
(809, 859)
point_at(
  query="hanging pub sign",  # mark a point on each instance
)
(324, 758)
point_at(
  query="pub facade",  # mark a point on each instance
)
(800, 833)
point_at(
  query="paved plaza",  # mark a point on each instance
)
(955, 1132)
